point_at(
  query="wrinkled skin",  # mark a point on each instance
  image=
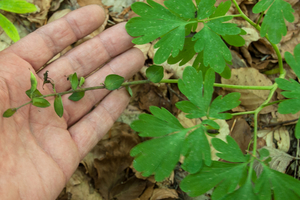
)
(38, 150)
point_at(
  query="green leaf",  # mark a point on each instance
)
(74, 81)
(220, 105)
(161, 123)
(192, 86)
(76, 96)
(205, 8)
(273, 23)
(224, 175)
(196, 149)
(192, 109)
(40, 102)
(234, 40)
(215, 51)
(156, 21)
(17, 6)
(226, 73)
(129, 90)
(36, 93)
(282, 186)
(113, 81)
(184, 9)
(81, 82)
(9, 112)
(263, 153)
(222, 9)
(297, 130)
(58, 106)
(186, 54)
(211, 123)
(33, 84)
(289, 105)
(9, 28)
(294, 62)
(155, 73)
(221, 28)
(245, 192)
(229, 151)
(158, 156)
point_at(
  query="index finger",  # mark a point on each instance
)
(40, 46)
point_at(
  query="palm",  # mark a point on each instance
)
(38, 150)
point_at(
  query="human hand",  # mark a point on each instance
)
(38, 150)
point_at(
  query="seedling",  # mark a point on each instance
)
(236, 178)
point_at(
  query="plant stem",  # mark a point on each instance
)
(244, 87)
(29, 102)
(243, 113)
(280, 63)
(214, 18)
(95, 88)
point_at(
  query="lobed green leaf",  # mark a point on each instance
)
(196, 149)
(225, 175)
(161, 123)
(185, 9)
(273, 23)
(158, 156)
(205, 8)
(156, 21)
(275, 185)
(226, 103)
(294, 61)
(215, 51)
(229, 151)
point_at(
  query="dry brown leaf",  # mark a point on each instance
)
(148, 192)
(264, 47)
(130, 189)
(280, 161)
(287, 117)
(163, 194)
(80, 187)
(144, 48)
(250, 99)
(58, 14)
(240, 132)
(252, 35)
(151, 95)
(55, 4)
(279, 137)
(237, 60)
(290, 45)
(130, 114)
(41, 16)
(110, 158)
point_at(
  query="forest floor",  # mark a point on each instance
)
(107, 171)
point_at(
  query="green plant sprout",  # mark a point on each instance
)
(236, 178)
(15, 6)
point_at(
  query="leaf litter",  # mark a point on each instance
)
(106, 172)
